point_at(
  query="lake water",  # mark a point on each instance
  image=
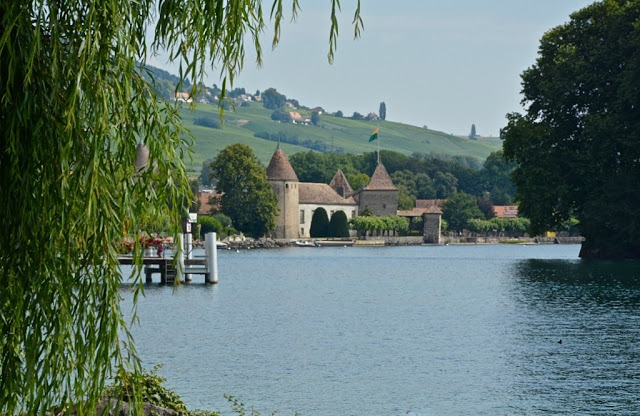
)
(448, 330)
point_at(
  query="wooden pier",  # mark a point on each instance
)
(169, 268)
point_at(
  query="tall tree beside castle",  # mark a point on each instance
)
(576, 148)
(382, 112)
(246, 195)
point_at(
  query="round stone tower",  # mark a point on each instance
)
(284, 181)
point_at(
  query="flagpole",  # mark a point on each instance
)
(378, 127)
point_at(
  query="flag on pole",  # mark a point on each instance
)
(374, 135)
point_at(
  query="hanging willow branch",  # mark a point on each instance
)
(73, 107)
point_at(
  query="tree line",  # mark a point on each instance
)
(418, 176)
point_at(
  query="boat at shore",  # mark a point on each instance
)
(307, 244)
(335, 243)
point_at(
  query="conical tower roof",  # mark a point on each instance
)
(380, 180)
(279, 168)
(340, 184)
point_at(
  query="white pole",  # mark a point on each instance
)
(215, 258)
(180, 247)
(211, 255)
(189, 250)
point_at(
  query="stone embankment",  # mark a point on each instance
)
(249, 243)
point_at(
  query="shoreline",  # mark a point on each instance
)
(268, 243)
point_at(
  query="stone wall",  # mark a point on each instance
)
(379, 202)
(397, 240)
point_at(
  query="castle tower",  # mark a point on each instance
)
(380, 196)
(432, 220)
(284, 181)
(340, 184)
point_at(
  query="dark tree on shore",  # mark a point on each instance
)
(459, 209)
(339, 225)
(319, 224)
(577, 149)
(247, 196)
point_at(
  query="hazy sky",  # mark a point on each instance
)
(446, 64)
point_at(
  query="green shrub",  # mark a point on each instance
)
(152, 390)
(210, 225)
(207, 122)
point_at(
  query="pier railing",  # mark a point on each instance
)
(183, 266)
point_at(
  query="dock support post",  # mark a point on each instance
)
(189, 250)
(180, 266)
(211, 255)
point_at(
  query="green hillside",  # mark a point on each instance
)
(331, 134)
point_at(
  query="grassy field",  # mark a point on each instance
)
(334, 133)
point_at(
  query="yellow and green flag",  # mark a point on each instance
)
(374, 135)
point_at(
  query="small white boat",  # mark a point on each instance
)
(306, 244)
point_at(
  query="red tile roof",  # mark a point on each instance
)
(505, 211)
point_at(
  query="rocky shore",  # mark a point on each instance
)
(244, 243)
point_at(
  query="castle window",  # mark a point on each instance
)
(301, 216)
(353, 213)
(384, 206)
(286, 185)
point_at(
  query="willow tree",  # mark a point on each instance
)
(73, 107)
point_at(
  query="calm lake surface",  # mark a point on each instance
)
(449, 330)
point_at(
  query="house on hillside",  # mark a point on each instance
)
(183, 97)
(505, 211)
(297, 118)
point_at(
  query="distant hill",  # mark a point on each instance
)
(250, 123)
(253, 125)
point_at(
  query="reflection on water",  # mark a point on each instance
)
(576, 337)
(386, 331)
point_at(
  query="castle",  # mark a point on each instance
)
(298, 200)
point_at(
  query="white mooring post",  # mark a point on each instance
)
(180, 247)
(211, 255)
(189, 250)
